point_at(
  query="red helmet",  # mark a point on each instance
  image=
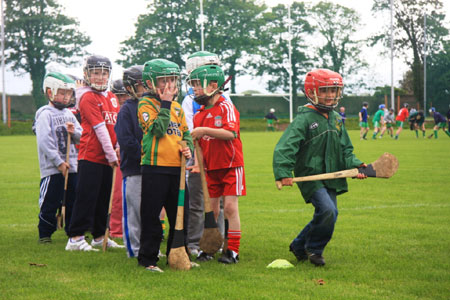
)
(322, 86)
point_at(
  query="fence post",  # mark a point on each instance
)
(9, 112)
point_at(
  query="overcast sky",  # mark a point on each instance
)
(109, 22)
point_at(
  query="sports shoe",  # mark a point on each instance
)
(194, 265)
(300, 257)
(80, 245)
(229, 257)
(193, 252)
(316, 259)
(202, 256)
(155, 269)
(45, 240)
(110, 244)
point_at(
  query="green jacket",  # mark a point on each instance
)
(313, 144)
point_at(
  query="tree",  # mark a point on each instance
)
(337, 25)
(36, 32)
(273, 52)
(167, 31)
(438, 78)
(409, 33)
(170, 31)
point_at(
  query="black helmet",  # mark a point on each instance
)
(405, 104)
(132, 77)
(118, 88)
(365, 103)
(96, 62)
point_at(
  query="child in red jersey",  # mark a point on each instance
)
(216, 126)
(97, 154)
(402, 116)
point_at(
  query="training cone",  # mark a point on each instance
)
(280, 264)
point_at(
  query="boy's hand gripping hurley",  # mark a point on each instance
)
(384, 167)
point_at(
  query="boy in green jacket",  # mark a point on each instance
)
(316, 142)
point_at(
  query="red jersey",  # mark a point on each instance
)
(220, 154)
(403, 114)
(96, 109)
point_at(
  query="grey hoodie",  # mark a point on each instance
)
(51, 136)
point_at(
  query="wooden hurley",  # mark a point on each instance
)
(106, 237)
(384, 167)
(61, 217)
(212, 239)
(178, 258)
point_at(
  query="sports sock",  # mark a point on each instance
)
(396, 136)
(423, 133)
(364, 136)
(447, 132)
(163, 226)
(77, 240)
(374, 135)
(435, 134)
(417, 133)
(234, 240)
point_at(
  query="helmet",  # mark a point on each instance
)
(204, 75)
(55, 81)
(201, 58)
(158, 68)
(381, 106)
(118, 88)
(432, 110)
(365, 103)
(405, 104)
(322, 80)
(272, 110)
(132, 77)
(96, 62)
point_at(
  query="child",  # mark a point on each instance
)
(363, 121)
(164, 125)
(96, 157)
(390, 122)
(403, 114)
(417, 120)
(270, 117)
(342, 114)
(439, 121)
(314, 143)
(378, 120)
(129, 136)
(216, 126)
(53, 123)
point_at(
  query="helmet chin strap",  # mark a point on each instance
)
(204, 99)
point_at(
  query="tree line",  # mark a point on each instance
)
(249, 37)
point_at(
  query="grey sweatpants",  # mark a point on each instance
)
(131, 219)
(196, 212)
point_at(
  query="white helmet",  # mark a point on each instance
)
(272, 110)
(55, 81)
(201, 58)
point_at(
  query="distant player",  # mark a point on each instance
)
(342, 114)
(389, 120)
(271, 118)
(378, 120)
(416, 122)
(401, 118)
(363, 121)
(439, 121)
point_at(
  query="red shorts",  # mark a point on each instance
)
(226, 182)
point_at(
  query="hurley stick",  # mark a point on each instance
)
(384, 167)
(61, 217)
(178, 257)
(212, 239)
(106, 237)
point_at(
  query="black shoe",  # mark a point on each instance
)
(229, 257)
(300, 257)
(45, 240)
(204, 257)
(316, 259)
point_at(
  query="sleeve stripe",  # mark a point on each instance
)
(231, 116)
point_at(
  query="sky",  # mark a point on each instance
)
(109, 22)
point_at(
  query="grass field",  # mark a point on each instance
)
(392, 238)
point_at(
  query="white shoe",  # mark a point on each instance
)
(81, 245)
(110, 244)
(193, 251)
(194, 265)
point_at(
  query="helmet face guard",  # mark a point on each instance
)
(132, 78)
(97, 72)
(57, 81)
(199, 80)
(201, 58)
(117, 87)
(160, 71)
(323, 88)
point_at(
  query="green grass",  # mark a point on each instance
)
(391, 241)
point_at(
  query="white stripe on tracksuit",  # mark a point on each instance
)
(239, 176)
(43, 190)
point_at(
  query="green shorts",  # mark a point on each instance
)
(269, 122)
(389, 125)
(363, 124)
(441, 124)
(399, 124)
(376, 124)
